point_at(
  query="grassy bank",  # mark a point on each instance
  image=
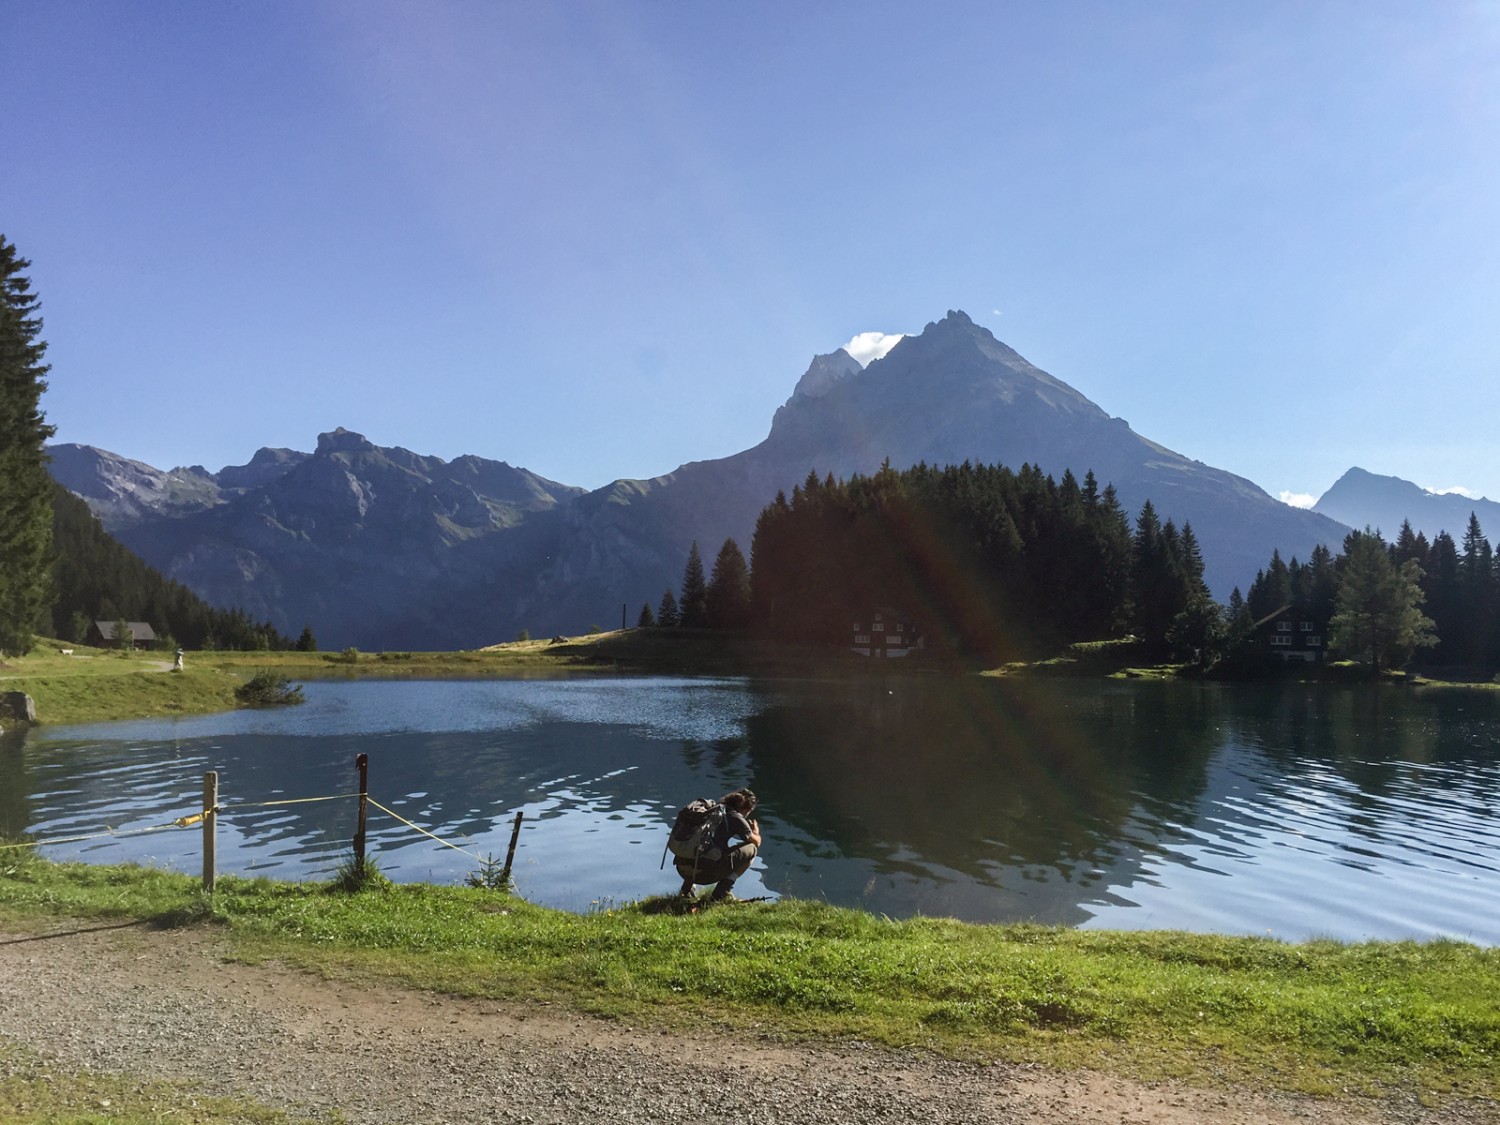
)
(653, 651)
(91, 685)
(94, 685)
(1320, 1017)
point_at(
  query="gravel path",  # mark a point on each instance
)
(166, 1004)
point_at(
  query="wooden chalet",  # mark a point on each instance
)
(102, 634)
(886, 633)
(1292, 636)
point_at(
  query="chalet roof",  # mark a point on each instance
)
(139, 630)
(1275, 613)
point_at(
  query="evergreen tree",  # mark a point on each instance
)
(1410, 546)
(1444, 602)
(694, 602)
(1379, 619)
(1271, 590)
(307, 642)
(25, 486)
(668, 616)
(1476, 587)
(729, 589)
(647, 619)
(1163, 582)
(1198, 635)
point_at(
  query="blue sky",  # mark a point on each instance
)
(603, 239)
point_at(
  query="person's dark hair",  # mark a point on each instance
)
(741, 801)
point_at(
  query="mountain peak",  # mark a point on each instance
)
(824, 372)
(1361, 498)
(344, 441)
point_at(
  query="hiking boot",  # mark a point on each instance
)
(687, 889)
(724, 892)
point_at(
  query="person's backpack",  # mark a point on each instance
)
(693, 830)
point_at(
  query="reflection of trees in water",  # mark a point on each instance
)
(15, 792)
(1367, 734)
(972, 772)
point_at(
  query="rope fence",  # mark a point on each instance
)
(212, 810)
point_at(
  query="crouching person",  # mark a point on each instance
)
(723, 860)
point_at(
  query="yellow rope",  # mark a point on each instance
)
(422, 830)
(108, 833)
(289, 801)
(197, 818)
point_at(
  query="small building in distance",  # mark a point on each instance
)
(102, 634)
(886, 634)
(1292, 636)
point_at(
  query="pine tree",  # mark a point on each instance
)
(694, 600)
(729, 589)
(1444, 602)
(25, 486)
(668, 616)
(1379, 618)
(307, 642)
(647, 619)
(1476, 583)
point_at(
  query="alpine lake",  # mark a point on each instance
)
(1295, 811)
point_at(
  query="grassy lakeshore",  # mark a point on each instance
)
(1319, 1017)
(95, 685)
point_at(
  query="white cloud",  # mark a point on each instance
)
(872, 345)
(1298, 499)
(1458, 490)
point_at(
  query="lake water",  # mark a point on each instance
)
(1342, 812)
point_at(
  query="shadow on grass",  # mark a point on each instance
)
(676, 904)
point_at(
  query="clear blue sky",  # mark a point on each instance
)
(602, 239)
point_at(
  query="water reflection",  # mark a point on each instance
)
(1347, 812)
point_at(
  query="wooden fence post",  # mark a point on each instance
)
(210, 823)
(362, 761)
(510, 853)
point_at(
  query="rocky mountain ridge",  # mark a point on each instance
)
(382, 548)
(1364, 499)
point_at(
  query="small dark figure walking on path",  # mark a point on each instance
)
(722, 861)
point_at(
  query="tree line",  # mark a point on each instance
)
(1386, 603)
(721, 601)
(979, 558)
(983, 559)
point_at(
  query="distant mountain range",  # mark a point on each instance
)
(1362, 499)
(385, 549)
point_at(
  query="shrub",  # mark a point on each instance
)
(267, 688)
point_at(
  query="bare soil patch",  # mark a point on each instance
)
(168, 1004)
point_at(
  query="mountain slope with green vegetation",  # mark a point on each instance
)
(100, 579)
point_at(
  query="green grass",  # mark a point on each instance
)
(98, 684)
(33, 1091)
(1320, 1017)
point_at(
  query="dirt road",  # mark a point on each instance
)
(166, 1004)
